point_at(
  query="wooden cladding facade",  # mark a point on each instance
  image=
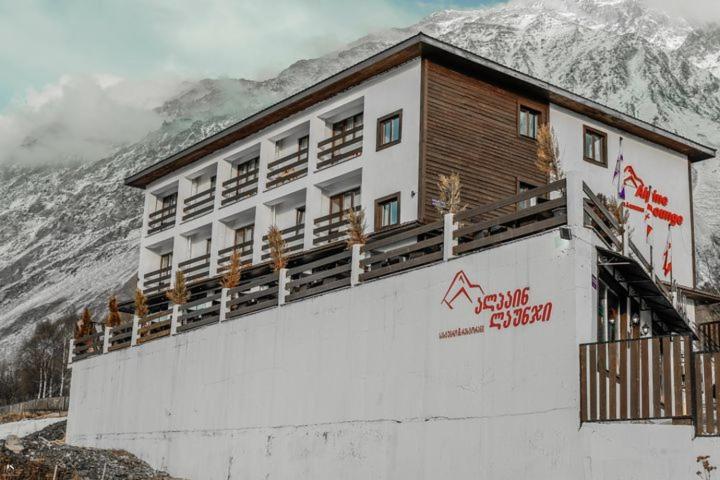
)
(471, 126)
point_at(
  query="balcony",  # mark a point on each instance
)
(245, 250)
(199, 204)
(196, 268)
(240, 187)
(287, 168)
(157, 281)
(162, 219)
(293, 237)
(340, 148)
(331, 228)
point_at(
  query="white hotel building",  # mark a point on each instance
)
(527, 336)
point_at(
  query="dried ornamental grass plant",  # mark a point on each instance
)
(231, 278)
(113, 317)
(84, 326)
(141, 308)
(356, 228)
(179, 294)
(707, 467)
(548, 154)
(618, 211)
(450, 187)
(277, 248)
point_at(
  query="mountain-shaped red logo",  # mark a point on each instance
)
(461, 286)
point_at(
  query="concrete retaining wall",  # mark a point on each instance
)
(358, 384)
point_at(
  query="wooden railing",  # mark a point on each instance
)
(293, 237)
(88, 346)
(154, 326)
(161, 219)
(287, 168)
(331, 228)
(253, 295)
(240, 187)
(245, 250)
(340, 147)
(120, 336)
(599, 218)
(157, 281)
(319, 276)
(507, 219)
(638, 379)
(200, 311)
(707, 393)
(196, 268)
(199, 204)
(409, 249)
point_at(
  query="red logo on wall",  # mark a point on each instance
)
(506, 309)
(653, 202)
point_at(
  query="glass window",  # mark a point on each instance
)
(594, 146)
(530, 202)
(208, 246)
(387, 212)
(528, 120)
(244, 234)
(300, 216)
(389, 130)
(166, 261)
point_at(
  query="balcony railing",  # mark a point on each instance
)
(240, 187)
(157, 281)
(120, 336)
(293, 237)
(245, 250)
(287, 168)
(340, 147)
(161, 219)
(155, 325)
(200, 311)
(88, 346)
(199, 204)
(196, 268)
(332, 228)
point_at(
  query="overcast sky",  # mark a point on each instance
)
(104, 64)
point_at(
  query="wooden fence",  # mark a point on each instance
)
(319, 276)
(199, 312)
(51, 404)
(253, 295)
(638, 379)
(707, 406)
(88, 346)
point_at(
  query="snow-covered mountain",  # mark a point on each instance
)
(69, 234)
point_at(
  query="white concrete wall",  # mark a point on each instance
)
(358, 384)
(665, 170)
(390, 170)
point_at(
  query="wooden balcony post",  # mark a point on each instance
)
(106, 339)
(282, 286)
(174, 319)
(223, 304)
(134, 332)
(355, 267)
(449, 242)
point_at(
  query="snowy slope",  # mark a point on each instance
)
(69, 235)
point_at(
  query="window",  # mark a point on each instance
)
(303, 143)
(595, 146)
(208, 246)
(248, 170)
(168, 200)
(213, 182)
(528, 122)
(526, 187)
(166, 261)
(341, 129)
(300, 216)
(340, 203)
(387, 211)
(389, 130)
(244, 235)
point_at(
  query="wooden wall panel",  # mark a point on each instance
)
(470, 126)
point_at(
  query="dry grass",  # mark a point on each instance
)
(84, 326)
(277, 248)
(141, 308)
(113, 317)
(179, 294)
(548, 154)
(231, 278)
(356, 228)
(617, 210)
(450, 188)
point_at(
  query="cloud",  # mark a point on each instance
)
(81, 118)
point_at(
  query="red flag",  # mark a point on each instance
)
(667, 256)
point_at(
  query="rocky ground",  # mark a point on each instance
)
(44, 455)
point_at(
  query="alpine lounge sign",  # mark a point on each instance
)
(651, 200)
(499, 310)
